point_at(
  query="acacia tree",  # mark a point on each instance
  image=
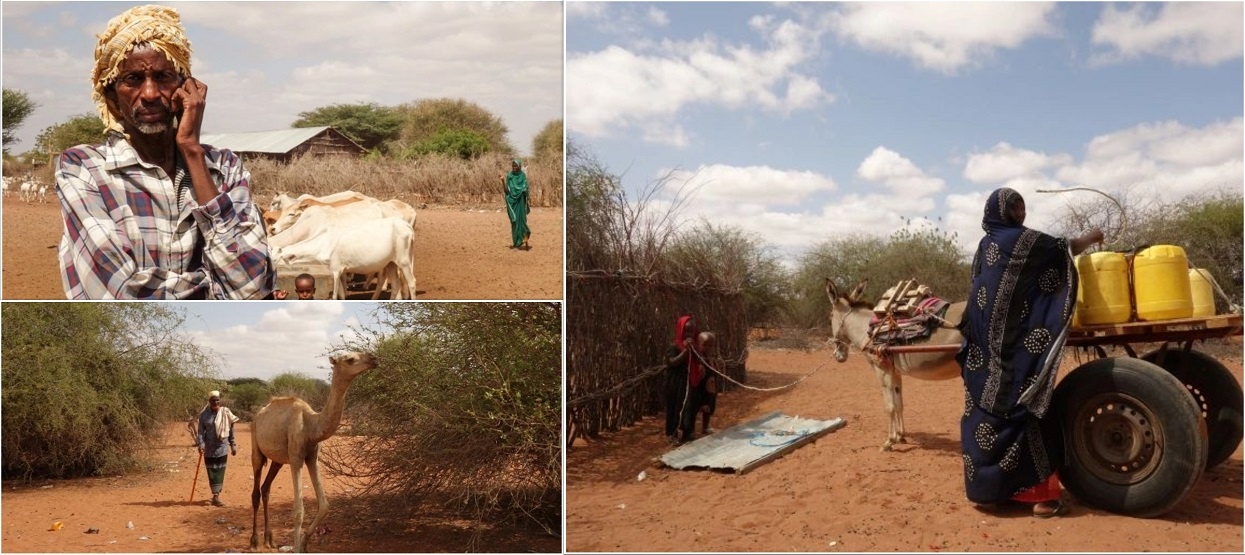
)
(17, 107)
(548, 142)
(424, 119)
(86, 384)
(369, 124)
(78, 130)
(466, 406)
(725, 257)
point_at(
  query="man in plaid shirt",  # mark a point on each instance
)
(152, 213)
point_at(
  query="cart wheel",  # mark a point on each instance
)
(1216, 392)
(1133, 440)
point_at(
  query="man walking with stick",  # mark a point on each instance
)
(215, 427)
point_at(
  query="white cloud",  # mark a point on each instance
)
(658, 17)
(722, 184)
(1201, 33)
(1004, 162)
(505, 56)
(1168, 158)
(940, 36)
(294, 337)
(615, 89)
(898, 174)
(1160, 161)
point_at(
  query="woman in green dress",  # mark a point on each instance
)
(515, 184)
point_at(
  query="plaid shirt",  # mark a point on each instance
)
(131, 232)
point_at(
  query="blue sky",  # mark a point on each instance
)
(800, 122)
(264, 62)
(265, 339)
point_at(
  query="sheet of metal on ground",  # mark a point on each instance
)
(743, 447)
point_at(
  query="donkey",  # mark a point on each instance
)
(849, 325)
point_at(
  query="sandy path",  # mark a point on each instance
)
(158, 505)
(840, 493)
(460, 253)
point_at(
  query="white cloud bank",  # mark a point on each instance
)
(618, 89)
(1198, 33)
(943, 37)
(294, 337)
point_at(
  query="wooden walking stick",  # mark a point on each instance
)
(196, 482)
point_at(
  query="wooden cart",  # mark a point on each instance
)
(1138, 430)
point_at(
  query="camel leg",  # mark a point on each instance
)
(267, 489)
(322, 502)
(888, 400)
(257, 466)
(296, 468)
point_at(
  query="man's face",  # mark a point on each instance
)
(215, 404)
(143, 91)
(306, 289)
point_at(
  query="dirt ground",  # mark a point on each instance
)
(461, 253)
(158, 505)
(841, 493)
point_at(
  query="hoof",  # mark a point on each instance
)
(886, 447)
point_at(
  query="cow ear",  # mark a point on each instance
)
(858, 291)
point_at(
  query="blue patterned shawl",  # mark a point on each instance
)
(1023, 292)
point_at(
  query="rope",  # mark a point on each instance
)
(745, 386)
(1118, 206)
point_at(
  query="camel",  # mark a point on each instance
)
(288, 431)
(849, 325)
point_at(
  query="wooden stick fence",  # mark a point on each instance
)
(619, 328)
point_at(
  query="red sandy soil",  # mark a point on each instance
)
(841, 493)
(158, 505)
(461, 253)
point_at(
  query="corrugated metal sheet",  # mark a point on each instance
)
(745, 446)
(268, 142)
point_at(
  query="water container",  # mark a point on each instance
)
(1203, 293)
(1104, 288)
(1161, 284)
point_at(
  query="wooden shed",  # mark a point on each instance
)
(286, 144)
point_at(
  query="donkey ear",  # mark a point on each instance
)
(858, 291)
(831, 290)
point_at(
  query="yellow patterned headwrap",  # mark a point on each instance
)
(158, 26)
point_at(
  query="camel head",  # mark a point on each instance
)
(350, 365)
(840, 308)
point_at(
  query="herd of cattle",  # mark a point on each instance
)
(349, 233)
(30, 189)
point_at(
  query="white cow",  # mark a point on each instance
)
(291, 215)
(320, 218)
(7, 181)
(365, 247)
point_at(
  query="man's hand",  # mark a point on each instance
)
(233, 450)
(190, 102)
(200, 449)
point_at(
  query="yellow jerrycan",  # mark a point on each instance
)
(1103, 289)
(1161, 284)
(1203, 292)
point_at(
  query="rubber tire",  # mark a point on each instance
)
(1177, 427)
(1216, 389)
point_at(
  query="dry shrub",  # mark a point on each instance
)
(464, 409)
(432, 179)
(627, 284)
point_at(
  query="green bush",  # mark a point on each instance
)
(426, 118)
(86, 384)
(465, 404)
(455, 143)
(296, 384)
(927, 254)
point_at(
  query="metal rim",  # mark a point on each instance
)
(1117, 438)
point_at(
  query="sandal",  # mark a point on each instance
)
(1049, 509)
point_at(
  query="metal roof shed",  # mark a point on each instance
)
(286, 144)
